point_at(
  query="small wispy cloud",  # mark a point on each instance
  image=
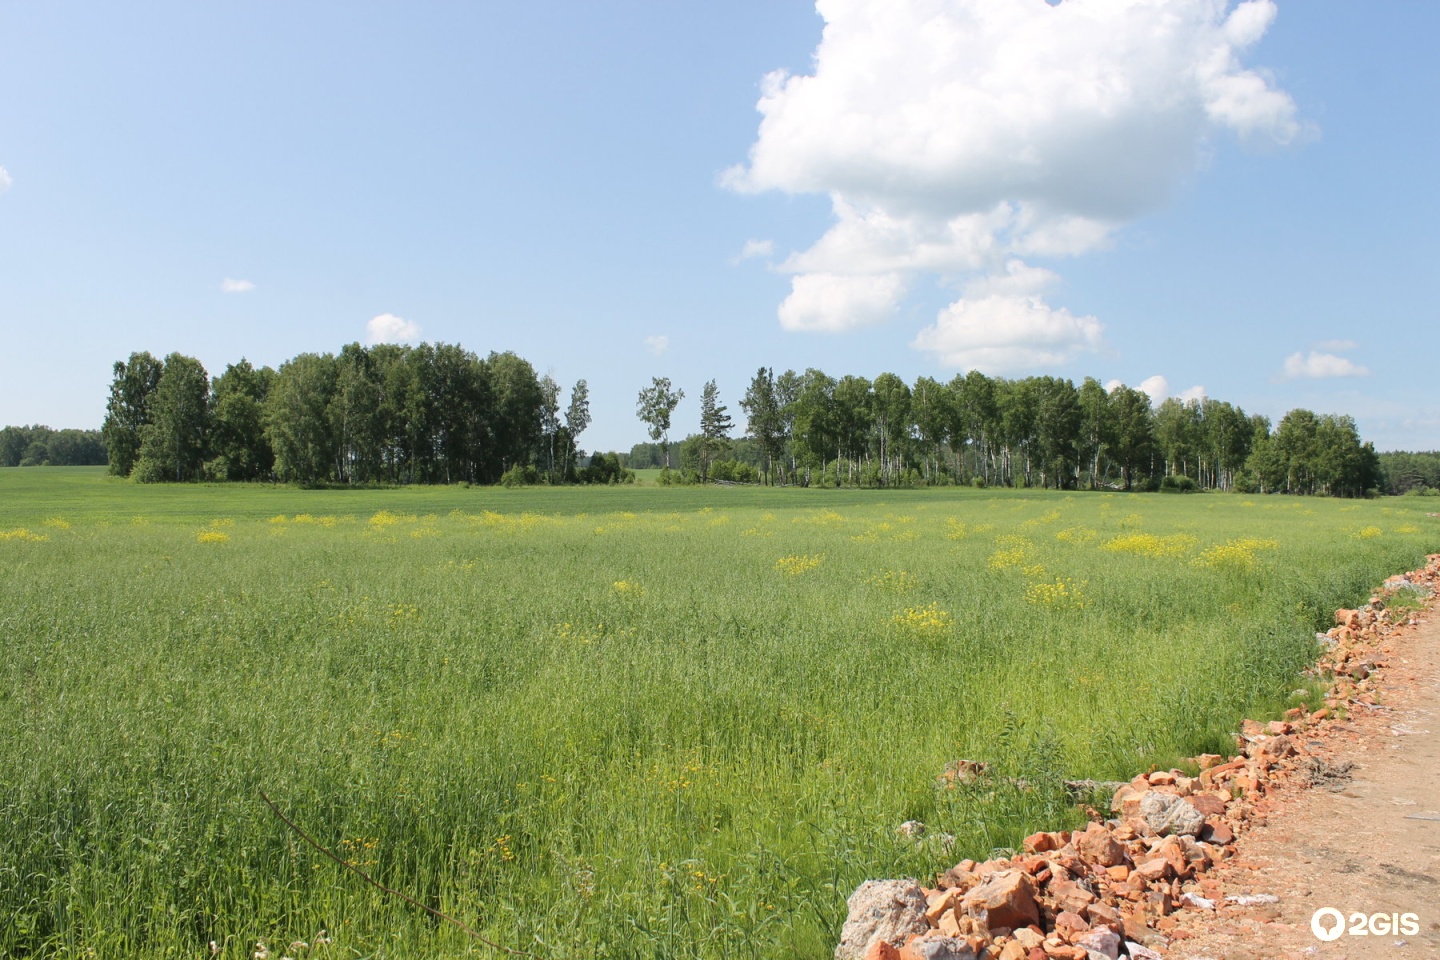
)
(388, 328)
(236, 286)
(5, 180)
(1336, 346)
(1158, 389)
(657, 344)
(1316, 365)
(754, 248)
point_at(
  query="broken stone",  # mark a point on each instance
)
(1153, 870)
(1098, 845)
(937, 948)
(1042, 842)
(1208, 804)
(1127, 792)
(882, 950)
(1167, 815)
(1103, 941)
(1069, 895)
(1173, 851)
(1218, 832)
(1028, 937)
(1134, 924)
(949, 925)
(1273, 748)
(962, 771)
(1013, 951)
(1101, 914)
(1007, 899)
(1070, 925)
(888, 910)
(959, 876)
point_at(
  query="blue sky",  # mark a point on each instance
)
(1233, 199)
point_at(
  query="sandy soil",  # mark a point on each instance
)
(1369, 845)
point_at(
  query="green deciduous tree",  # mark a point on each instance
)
(357, 426)
(890, 412)
(128, 409)
(1058, 422)
(1133, 433)
(852, 424)
(654, 406)
(297, 418)
(174, 443)
(932, 411)
(1096, 428)
(239, 449)
(549, 422)
(577, 419)
(814, 433)
(765, 418)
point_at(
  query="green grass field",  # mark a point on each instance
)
(611, 723)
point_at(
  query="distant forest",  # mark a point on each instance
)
(812, 428)
(39, 446)
(438, 413)
(1412, 473)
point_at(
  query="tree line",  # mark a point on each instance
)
(391, 414)
(438, 413)
(1412, 473)
(40, 446)
(812, 428)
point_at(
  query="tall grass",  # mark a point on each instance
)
(617, 723)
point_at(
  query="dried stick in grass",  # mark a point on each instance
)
(384, 889)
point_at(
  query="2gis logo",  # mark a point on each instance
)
(1327, 923)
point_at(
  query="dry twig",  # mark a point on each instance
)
(380, 886)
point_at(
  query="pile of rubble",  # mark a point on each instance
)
(1118, 887)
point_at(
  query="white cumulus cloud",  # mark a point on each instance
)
(388, 328)
(1316, 365)
(952, 137)
(832, 302)
(657, 344)
(755, 248)
(1002, 333)
(236, 286)
(1157, 387)
(5, 180)
(1003, 324)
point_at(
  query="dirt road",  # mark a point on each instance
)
(1369, 845)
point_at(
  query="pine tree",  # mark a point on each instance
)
(715, 427)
